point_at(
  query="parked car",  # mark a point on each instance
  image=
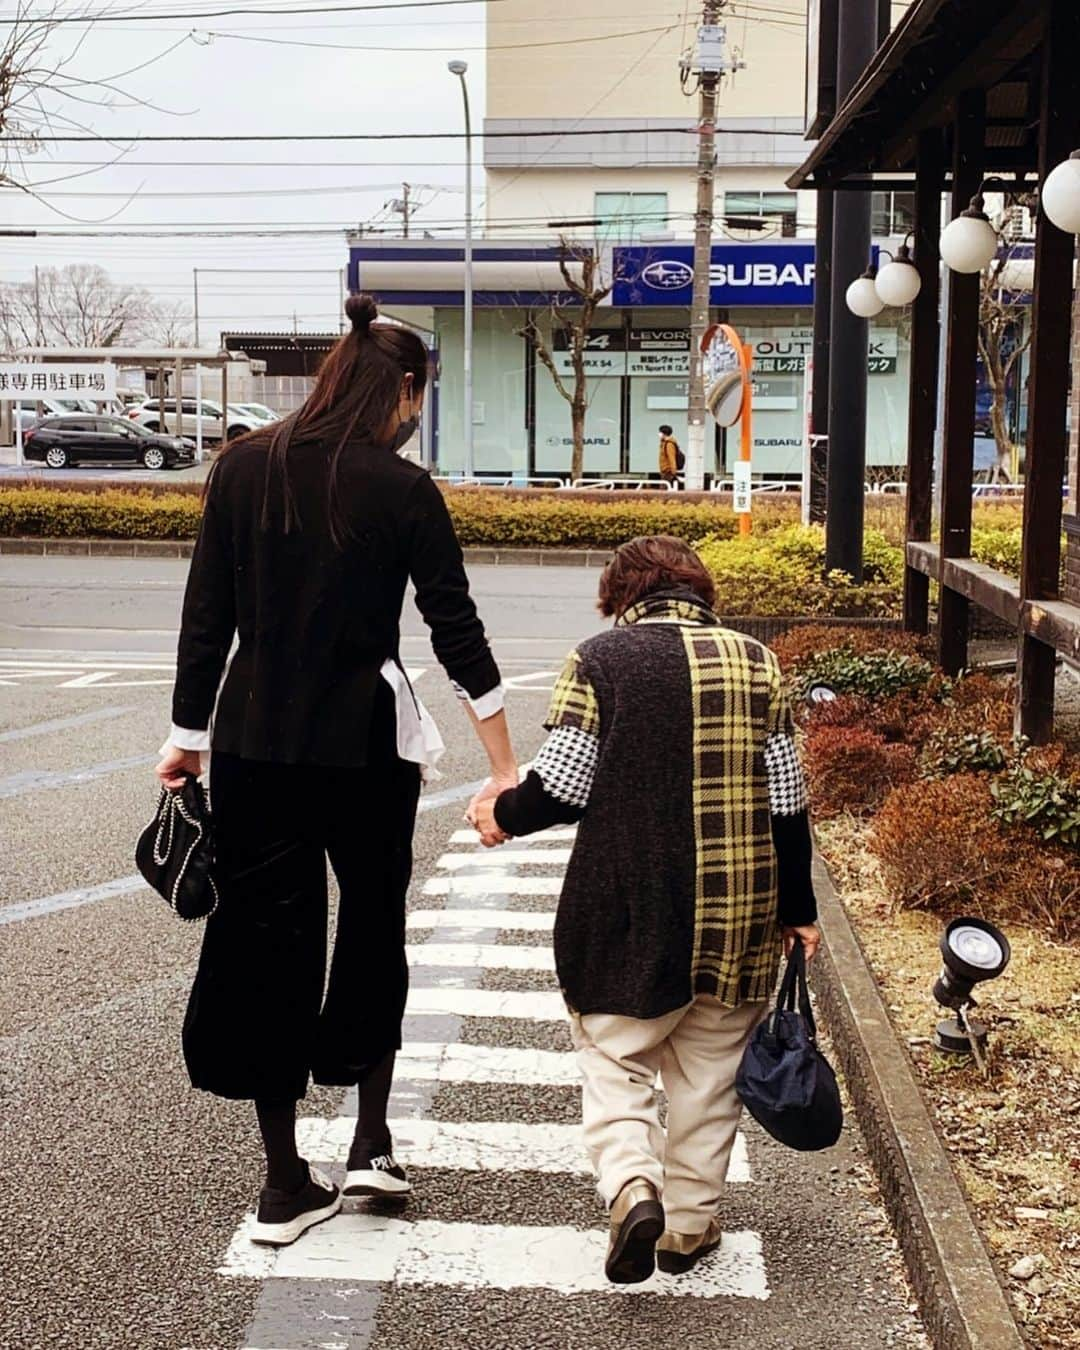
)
(26, 409)
(79, 438)
(261, 411)
(149, 415)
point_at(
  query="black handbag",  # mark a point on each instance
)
(175, 852)
(784, 1080)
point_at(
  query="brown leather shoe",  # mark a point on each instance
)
(637, 1220)
(676, 1253)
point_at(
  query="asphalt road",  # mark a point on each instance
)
(123, 1194)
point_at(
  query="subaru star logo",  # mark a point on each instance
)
(667, 275)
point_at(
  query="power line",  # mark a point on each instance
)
(374, 136)
(150, 17)
(448, 47)
(206, 195)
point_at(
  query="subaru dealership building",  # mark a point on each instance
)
(638, 357)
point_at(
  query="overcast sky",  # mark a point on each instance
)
(236, 84)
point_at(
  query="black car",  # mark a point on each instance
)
(97, 438)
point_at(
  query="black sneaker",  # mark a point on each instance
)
(284, 1215)
(377, 1176)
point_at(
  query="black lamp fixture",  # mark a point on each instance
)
(973, 951)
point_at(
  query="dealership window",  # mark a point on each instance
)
(624, 215)
(891, 213)
(751, 210)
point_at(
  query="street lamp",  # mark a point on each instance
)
(1061, 195)
(969, 242)
(898, 282)
(862, 296)
(458, 68)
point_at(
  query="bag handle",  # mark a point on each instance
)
(794, 988)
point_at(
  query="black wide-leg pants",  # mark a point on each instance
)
(258, 1024)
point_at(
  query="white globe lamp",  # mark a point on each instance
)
(862, 296)
(1061, 195)
(969, 242)
(898, 282)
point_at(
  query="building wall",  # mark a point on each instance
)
(632, 75)
(569, 194)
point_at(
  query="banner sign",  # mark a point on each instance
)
(24, 379)
(743, 480)
(786, 351)
(740, 274)
(605, 352)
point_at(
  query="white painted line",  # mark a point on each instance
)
(470, 956)
(493, 885)
(515, 857)
(64, 723)
(487, 1146)
(53, 904)
(433, 1061)
(84, 681)
(363, 1246)
(523, 1006)
(505, 919)
(548, 837)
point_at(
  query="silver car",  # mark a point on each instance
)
(238, 422)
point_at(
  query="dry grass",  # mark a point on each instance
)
(1014, 1137)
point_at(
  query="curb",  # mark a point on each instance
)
(181, 548)
(960, 1297)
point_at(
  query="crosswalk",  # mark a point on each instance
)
(462, 1048)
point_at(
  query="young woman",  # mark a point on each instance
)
(311, 530)
(671, 741)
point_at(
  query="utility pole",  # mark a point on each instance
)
(405, 190)
(710, 63)
(195, 273)
(37, 306)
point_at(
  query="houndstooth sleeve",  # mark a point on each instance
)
(787, 785)
(566, 765)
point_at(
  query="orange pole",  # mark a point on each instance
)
(746, 439)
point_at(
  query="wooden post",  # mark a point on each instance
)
(923, 385)
(962, 343)
(1048, 388)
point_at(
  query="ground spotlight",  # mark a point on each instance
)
(973, 951)
(820, 693)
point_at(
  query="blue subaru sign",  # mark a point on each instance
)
(741, 274)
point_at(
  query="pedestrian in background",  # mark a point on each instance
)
(311, 530)
(671, 457)
(671, 742)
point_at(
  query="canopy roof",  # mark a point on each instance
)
(939, 49)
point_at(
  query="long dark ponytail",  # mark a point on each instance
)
(356, 394)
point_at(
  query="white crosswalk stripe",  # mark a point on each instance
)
(432, 1061)
(487, 1146)
(486, 1256)
(362, 1245)
(507, 884)
(503, 858)
(527, 921)
(482, 956)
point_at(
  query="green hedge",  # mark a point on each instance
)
(482, 519)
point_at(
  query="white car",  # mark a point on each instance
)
(26, 409)
(149, 415)
(260, 410)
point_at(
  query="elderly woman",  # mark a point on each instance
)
(671, 742)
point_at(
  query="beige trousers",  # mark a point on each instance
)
(696, 1051)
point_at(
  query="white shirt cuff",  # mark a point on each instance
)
(181, 738)
(487, 705)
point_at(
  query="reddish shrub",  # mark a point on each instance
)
(852, 769)
(807, 640)
(940, 850)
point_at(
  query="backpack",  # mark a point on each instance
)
(680, 458)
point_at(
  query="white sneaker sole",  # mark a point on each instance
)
(371, 1182)
(281, 1234)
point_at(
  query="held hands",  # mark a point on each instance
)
(176, 765)
(481, 812)
(808, 934)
